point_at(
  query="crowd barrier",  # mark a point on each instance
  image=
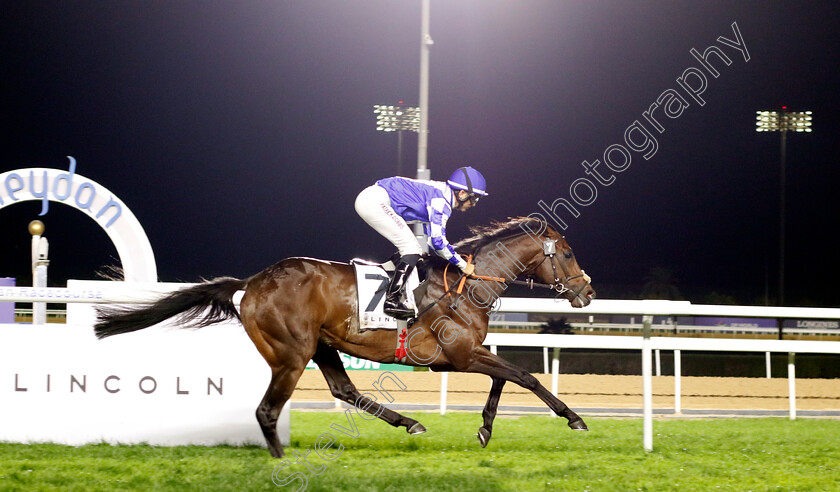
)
(161, 386)
(69, 352)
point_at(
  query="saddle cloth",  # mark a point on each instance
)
(372, 281)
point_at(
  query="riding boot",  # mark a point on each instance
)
(395, 304)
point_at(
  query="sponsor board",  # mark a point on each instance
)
(163, 386)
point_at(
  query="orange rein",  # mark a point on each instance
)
(464, 278)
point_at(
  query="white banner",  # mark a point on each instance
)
(163, 386)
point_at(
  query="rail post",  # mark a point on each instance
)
(647, 384)
(792, 384)
(677, 381)
(444, 388)
(555, 373)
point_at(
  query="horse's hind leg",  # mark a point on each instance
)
(494, 366)
(342, 388)
(489, 413)
(278, 393)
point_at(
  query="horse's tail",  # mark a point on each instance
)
(189, 305)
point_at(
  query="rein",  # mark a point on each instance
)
(549, 250)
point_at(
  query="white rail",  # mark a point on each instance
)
(132, 293)
(662, 308)
(647, 344)
(128, 293)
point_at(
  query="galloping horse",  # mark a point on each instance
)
(302, 308)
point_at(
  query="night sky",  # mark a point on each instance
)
(239, 133)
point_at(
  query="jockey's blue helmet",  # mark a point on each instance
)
(468, 179)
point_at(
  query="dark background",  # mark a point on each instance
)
(239, 133)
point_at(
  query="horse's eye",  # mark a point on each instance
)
(567, 255)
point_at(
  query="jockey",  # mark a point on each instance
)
(391, 202)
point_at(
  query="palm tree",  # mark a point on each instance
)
(560, 326)
(660, 284)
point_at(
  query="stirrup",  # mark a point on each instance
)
(397, 308)
(400, 311)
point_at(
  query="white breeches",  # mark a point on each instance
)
(374, 206)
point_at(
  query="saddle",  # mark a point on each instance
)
(372, 281)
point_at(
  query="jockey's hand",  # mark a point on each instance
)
(469, 269)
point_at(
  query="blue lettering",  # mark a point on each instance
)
(11, 191)
(68, 177)
(45, 202)
(85, 186)
(111, 203)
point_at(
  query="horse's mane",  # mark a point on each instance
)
(484, 235)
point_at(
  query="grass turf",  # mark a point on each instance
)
(525, 453)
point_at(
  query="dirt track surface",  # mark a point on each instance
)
(593, 391)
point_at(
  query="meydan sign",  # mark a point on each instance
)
(81, 193)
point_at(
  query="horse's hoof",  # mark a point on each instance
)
(276, 453)
(483, 436)
(417, 428)
(578, 425)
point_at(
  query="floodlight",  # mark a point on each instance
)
(782, 121)
(397, 118)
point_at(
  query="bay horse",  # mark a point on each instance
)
(303, 308)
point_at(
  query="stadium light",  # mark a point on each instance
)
(397, 118)
(782, 121)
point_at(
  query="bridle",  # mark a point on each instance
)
(550, 252)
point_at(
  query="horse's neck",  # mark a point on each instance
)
(508, 259)
(501, 260)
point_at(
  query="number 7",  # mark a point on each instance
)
(383, 286)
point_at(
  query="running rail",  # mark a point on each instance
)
(127, 293)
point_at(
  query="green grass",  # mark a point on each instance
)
(526, 453)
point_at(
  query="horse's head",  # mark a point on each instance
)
(550, 260)
(532, 248)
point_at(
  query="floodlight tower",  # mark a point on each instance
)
(426, 43)
(782, 121)
(398, 119)
(419, 116)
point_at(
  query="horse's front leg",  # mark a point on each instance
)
(484, 362)
(343, 388)
(489, 413)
